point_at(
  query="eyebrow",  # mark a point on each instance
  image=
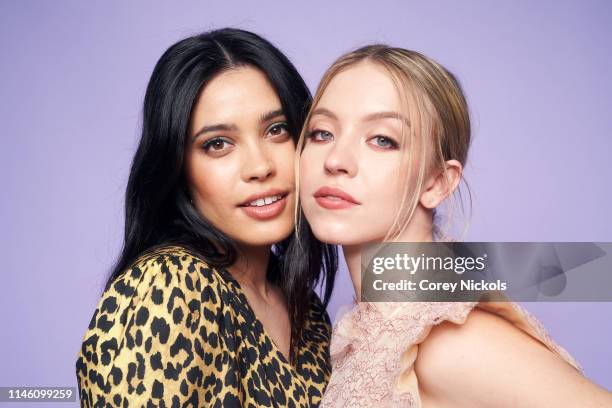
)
(324, 112)
(368, 118)
(266, 117)
(214, 128)
(386, 115)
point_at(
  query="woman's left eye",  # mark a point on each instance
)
(384, 142)
(278, 129)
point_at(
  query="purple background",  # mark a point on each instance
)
(73, 76)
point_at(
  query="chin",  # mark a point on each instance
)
(337, 233)
(262, 235)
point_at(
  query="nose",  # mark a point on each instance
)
(341, 157)
(258, 164)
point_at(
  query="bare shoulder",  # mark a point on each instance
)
(483, 335)
(489, 361)
(481, 344)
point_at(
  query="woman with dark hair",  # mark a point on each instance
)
(204, 306)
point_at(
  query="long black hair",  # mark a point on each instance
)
(158, 211)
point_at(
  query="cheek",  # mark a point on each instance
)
(303, 174)
(383, 188)
(311, 164)
(209, 182)
(284, 157)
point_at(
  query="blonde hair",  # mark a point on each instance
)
(438, 114)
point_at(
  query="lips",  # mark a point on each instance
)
(333, 198)
(265, 205)
(269, 194)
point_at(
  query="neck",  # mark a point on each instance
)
(352, 256)
(352, 253)
(251, 267)
(420, 227)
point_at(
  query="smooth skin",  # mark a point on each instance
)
(488, 362)
(238, 146)
(485, 362)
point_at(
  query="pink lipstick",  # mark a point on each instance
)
(333, 198)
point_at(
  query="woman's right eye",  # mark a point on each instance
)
(216, 145)
(317, 135)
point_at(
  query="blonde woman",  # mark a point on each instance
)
(385, 143)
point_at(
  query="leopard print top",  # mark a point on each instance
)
(173, 332)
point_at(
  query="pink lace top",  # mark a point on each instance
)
(374, 348)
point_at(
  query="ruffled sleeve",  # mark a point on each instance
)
(407, 381)
(365, 347)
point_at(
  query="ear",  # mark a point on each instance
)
(439, 186)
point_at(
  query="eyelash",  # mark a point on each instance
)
(282, 125)
(313, 133)
(208, 144)
(392, 143)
